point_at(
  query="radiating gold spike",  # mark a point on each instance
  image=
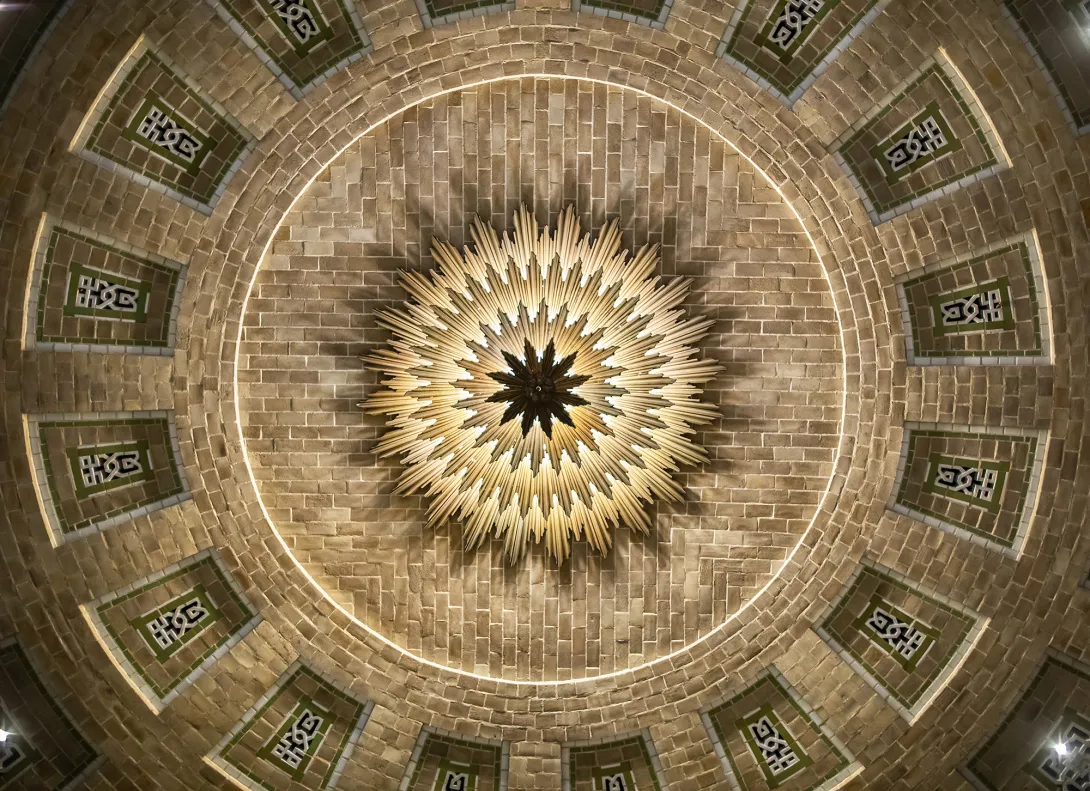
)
(589, 297)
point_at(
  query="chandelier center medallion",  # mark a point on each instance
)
(538, 388)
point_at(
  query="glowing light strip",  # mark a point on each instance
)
(467, 673)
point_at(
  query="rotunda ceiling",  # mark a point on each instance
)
(336, 456)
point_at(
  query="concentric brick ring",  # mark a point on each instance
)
(376, 548)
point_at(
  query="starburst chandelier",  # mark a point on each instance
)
(542, 386)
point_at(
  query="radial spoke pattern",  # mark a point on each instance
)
(529, 446)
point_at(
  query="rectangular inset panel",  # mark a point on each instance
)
(786, 44)
(45, 751)
(646, 12)
(440, 12)
(443, 761)
(906, 643)
(94, 471)
(931, 137)
(620, 764)
(164, 631)
(157, 126)
(1058, 34)
(971, 481)
(90, 292)
(303, 41)
(1054, 710)
(988, 306)
(768, 738)
(300, 734)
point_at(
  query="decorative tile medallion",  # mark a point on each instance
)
(905, 643)
(646, 12)
(95, 471)
(785, 45)
(1057, 32)
(164, 631)
(45, 751)
(90, 292)
(987, 306)
(300, 734)
(304, 41)
(1054, 710)
(768, 738)
(438, 12)
(930, 138)
(155, 125)
(970, 481)
(444, 762)
(625, 765)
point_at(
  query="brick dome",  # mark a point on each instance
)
(876, 579)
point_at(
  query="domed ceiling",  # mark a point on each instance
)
(597, 395)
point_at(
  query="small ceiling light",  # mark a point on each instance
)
(4, 735)
(1061, 748)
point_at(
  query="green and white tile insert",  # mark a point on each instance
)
(785, 45)
(301, 733)
(905, 641)
(989, 306)
(1054, 708)
(165, 631)
(441, 12)
(155, 125)
(625, 763)
(930, 138)
(444, 761)
(303, 42)
(976, 482)
(94, 471)
(46, 750)
(88, 292)
(768, 737)
(653, 13)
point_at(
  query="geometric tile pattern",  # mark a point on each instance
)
(905, 643)
(645, 12)
(767, 737)
(91, 293)
(302, 41)
(157, 127)
(299, 735)
(1022, 754)
(445, 762)
(987, 305)
(25, 27)
(624, 765)
(785, 45)
(164, 631)
(930, 138)
(438, 12)
(1057, 32)
(45, 751)
(94, 471)
(978, 483)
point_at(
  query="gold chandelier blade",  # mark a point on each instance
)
(540, 325)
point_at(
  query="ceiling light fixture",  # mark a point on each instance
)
(583, 385)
